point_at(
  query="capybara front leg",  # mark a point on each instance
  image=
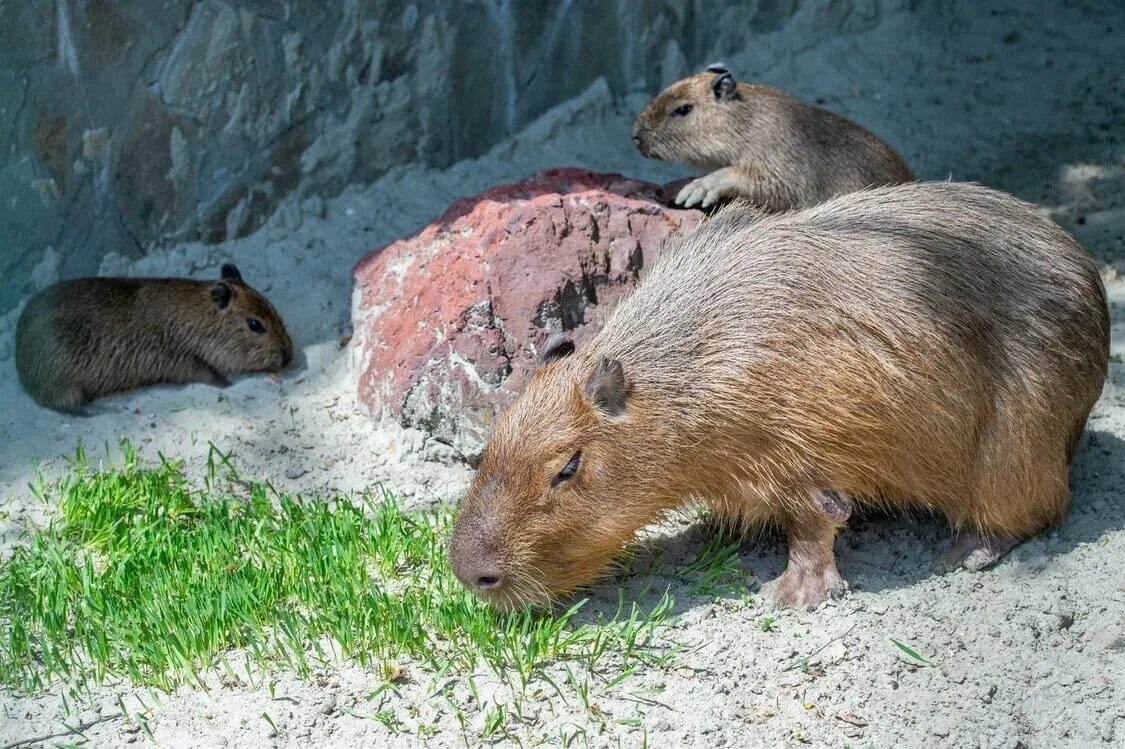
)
(975, 551)
(201, 371)
(714, 187)
(810, 576)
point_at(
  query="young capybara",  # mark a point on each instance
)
(761, 144)
(82, 339)
(932, 345)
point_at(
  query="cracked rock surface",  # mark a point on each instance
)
(447, 322)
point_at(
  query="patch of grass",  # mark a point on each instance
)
(910, 651)
(144, 578)
(717, 568)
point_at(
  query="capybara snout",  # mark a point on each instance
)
(931, 345)
(475, 550)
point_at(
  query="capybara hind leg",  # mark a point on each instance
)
(1022, 490)
(975, 551)
(70, 401)
(811, 575)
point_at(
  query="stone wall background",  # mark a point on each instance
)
(130, 124)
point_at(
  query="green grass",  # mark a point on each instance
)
(716, 571)
(911, 652)
(143, 578)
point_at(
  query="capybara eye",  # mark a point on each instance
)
(682, 110)
(568, 470)
(255, 325)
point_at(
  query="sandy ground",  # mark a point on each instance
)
(1029, 653)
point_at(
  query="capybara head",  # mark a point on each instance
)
(555, 496)
(246, 334)
(694, 120)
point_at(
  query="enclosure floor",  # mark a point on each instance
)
(1031, 100)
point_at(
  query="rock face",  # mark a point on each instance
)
(129, 123)
(447, 322)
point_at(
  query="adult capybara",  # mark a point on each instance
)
(931, 345)
(82, 339)
(760, 143)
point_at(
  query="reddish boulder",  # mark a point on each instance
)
(447, 322)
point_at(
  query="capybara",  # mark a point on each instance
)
(82, 339)
(761, 144)
(933, 345)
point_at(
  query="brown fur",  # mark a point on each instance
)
(762, 144)
(82, 339)
(932, 345)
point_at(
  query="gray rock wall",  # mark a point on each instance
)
(125, 124)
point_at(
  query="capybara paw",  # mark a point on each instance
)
(975, 551)
(707, 190)
(803, 588)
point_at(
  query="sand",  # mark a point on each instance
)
(1031, 652)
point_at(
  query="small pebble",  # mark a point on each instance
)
(294, 472)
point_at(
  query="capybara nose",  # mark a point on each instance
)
(286, 357)
(489, 583)
(641, 148)
(476, 568)
(476, 574)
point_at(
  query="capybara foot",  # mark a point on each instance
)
(975, 551)
(811, 575)
(710, 189)
(804, 587)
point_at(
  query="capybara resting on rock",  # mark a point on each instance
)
(760, 143)
(82, 339)
(932, 345)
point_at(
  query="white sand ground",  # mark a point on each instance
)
(1029, 653)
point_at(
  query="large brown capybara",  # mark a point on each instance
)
(930, 345)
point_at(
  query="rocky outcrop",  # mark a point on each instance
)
(447, 322)
(132, 123)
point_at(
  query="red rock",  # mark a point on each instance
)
(446, 322)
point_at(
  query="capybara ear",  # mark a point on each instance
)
(724, 86)
(718, 68)
(606, 386)
(220, 295)
(556, 346)
(229, 272)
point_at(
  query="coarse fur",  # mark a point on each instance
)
(761, 144)
(79, 340)
(933, 345)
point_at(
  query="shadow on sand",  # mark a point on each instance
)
(878, 551)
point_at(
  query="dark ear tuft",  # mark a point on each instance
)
(718, 68)
(606, 386)
(555, 347)
(724, 87)
(220, 295)
(230, 273)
